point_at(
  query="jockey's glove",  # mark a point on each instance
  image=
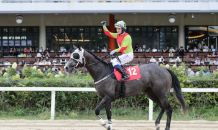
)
(112, 52)
(103, 23)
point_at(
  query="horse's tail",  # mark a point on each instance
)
(177, 92)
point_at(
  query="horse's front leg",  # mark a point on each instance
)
(108, 111)
(102, 104)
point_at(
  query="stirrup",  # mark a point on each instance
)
(125, 78)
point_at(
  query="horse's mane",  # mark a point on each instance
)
(98, 58)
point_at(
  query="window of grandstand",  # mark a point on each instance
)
(199, 36)
(86, 37)
(93, 37)
(19, 38)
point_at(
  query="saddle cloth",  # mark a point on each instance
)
(133, 72)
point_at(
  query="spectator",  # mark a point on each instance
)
(154, 50)
(171, 54)
(35, 63)
(63, 55)
(171, 49)
(59, 71)
(23, 62)
(187, 49)
(41, 50)
(42, 54)
(47, 54)
(63, 49)
(140, 49)
(167, 50)
(47, 62)
(30, 50)
(63, 60)
(181, 51)
(199, 46)
(46, 58)
(104, 49)
(205, 47)
(46, 68)
(207, 70)
(41, 59)
(11, 52)
(193, 61)
(28, 55)
(211, 62)
(178, 59)
(202, 62)
(153, 60)
(33, 48)
(162, 62)
(190, 72)
(137, 47)
(197, 62)
(47, 50)
(207, 59)
(195, 49)
(41, 62)
(215, 62)
(57, 55)
(98, 49)
(161, 59)
(148, 50)
(25, 50)
(7, 63)
(68, 54)
(54, 68)
(1, 62)
(54, 61)
(213, 54)
(58, 62)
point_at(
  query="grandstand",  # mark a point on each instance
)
(154, 24)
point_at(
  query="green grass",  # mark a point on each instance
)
(118, 114)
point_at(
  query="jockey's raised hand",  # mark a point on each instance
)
(103, 23)
(112, 52)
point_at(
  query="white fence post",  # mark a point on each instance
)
(150, 110)
(52, 105)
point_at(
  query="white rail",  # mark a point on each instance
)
(53, 89)
(104, 1)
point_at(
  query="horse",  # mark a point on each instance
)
(155, 82)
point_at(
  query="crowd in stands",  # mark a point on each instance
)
(56, 62)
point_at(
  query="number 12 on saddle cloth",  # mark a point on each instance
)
(133, 72)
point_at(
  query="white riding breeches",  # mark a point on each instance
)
(124, 58)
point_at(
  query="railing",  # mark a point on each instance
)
(53, 89)
(104, 1)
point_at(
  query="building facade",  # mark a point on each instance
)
(148, 27)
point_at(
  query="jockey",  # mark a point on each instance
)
(124, 41)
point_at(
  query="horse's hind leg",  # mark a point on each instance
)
(101, 105)
(155, 99)
(168, 109)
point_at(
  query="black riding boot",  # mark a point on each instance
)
(124, 74)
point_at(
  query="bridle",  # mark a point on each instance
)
(83, 64)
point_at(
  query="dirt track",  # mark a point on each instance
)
(95, 125)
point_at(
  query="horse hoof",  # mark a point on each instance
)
(157, 127)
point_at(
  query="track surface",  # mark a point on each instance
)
(95, 125)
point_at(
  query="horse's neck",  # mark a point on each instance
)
(96, 70)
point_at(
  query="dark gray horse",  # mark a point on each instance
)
(155, 82)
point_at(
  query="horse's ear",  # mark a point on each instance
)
(79, 48)
(74, 47)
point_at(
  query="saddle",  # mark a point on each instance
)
(133, 72)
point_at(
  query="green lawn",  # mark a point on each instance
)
(118, 114)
